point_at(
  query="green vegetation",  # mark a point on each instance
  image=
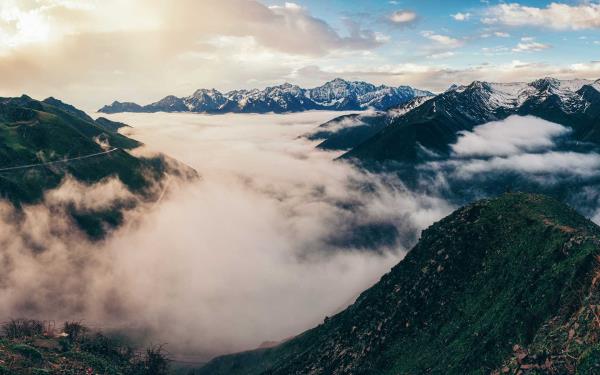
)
(34, 132)
(49, 132)
(508, 285)
(74, 350)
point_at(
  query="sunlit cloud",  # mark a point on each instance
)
(558, 16)
(443, 40)
(529, 44)
(18, 27)
(402, 17)
(508, 137)
(462, 16)
(437, 76)
(230, 44)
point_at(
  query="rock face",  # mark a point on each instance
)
(497, 285)
(336, 95)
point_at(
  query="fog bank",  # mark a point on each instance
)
(265, 244)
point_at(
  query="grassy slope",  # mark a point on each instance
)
(490, 276)
(36, 132)
(36, 352)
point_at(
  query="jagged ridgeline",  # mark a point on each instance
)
(336, 95)
(41, 142)
(424, 128)
(417, 140)
(507, 285)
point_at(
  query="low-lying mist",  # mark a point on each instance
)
(520, 153)
(261, 247)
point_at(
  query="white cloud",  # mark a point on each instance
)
(514, 135)
(498, 34)
(522, 154)
(461, 16)
(435, 77)
(549, 163)
(19, 27)
(495, 51)
(184, 44)
(527, 146)
(402, 17)
(221, 263)
(442, 55)
(443, 40)
(528, 44)
(558, 16)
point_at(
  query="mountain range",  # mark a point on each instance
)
(425, 128)
(506, 285)
(336, 95)
(421, 142)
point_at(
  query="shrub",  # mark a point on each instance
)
(28, 352)
(156, 360)
(19, 328)
(75, 330)
(101, 345)
(153, 362)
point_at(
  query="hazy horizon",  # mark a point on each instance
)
(90, 53)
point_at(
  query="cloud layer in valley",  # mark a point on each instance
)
(518, 153)
(261, 247)
(514, 135)
(258, 249)
(521, 144)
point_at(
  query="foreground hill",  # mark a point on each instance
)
(508, 285)
(31, 347)
(336, 95)
(42, 142)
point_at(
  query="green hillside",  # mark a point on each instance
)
(41, 142)
(500, 286)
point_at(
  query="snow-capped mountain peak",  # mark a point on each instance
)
(337, 94)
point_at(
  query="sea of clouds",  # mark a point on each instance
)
(261, 246)
(520, 153)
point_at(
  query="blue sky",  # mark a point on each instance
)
(473, 39)
(141, 50)
(481, 42)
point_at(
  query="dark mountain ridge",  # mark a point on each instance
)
(416, 141)
(336, 95)
(426, 131)
(503, 285)
(349, 131)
